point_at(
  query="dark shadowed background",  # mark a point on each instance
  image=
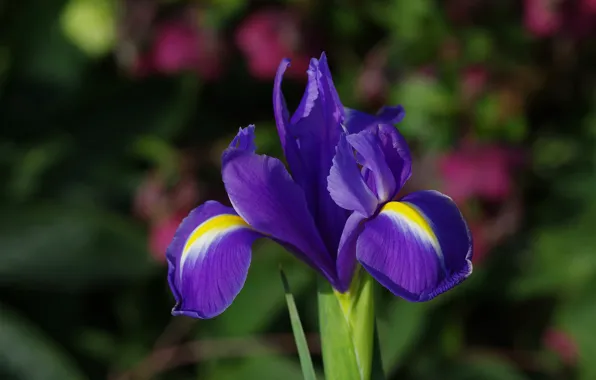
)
(113, 116)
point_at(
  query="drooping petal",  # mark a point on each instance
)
(357, 121)
(418, 247)
(448, 225)
(370, 150)
(208, 260)
(346, 254)
(346, 185)
(263, 193)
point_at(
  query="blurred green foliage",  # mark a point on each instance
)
(81, 296)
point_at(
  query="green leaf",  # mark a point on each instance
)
(404, 323)
(73, 249)
(265, 367)
(486, 368)
(305, 360)
(404, 19)
(577, 317)
(478, 45)
(547, 270)
(42, 51)
(258, 304)
(33, 164)
(28, 354)
(90, 25)
(429, 105)
(347, 330)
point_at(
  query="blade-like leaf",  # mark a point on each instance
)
(58, 247)
(347, 331)
(259, 304)
(27, 354)
(305, 360)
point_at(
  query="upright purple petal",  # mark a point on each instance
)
(357, 121)
(386, 158)
(370, 150)
(280, 109)
(316, 126)
(417, 248)
(346, 255)
(397, 153)
(208, 260)
(263, 193)
(245, 139)
(346, 185)
(282, 121)
(311, 94)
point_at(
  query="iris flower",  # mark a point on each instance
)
(335, 209)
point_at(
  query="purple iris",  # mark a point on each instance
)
(336, 209)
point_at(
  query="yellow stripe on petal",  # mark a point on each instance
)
(414, 217)
(411, 214)
(211, 228)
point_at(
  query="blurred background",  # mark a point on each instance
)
(114, 114)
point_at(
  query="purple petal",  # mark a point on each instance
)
(282, 121)
(316, 126)
(417, 248)
(370, 150)
(245, 139)
(320, 87)
(448, 225)
(263, 193)
(208, 260)
(356, 121)
(397, 153)
(346, 256)
(386, 158)
(310, 96)
(346, 185)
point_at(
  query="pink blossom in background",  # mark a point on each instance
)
(428, 71)
(561, 343)
(481, 245)
(179, 45)
(161, 234)
(372, 83)
(478, 171)
(163, 209)
(474, 80)
(542, 17)
(266, 37)
(148, 196)
(459, 11)
(588, 6)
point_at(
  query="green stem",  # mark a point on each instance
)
(347, 325)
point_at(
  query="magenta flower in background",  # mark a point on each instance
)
(161, 234)
(474, 80)
(478, 171)
(335, 211)
(164, 209)
(178, 46)
(542, 17)
(562, 344)
(266, 37)
(589, 6)
(373, 83)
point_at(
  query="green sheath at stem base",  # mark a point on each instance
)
(348, 333)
